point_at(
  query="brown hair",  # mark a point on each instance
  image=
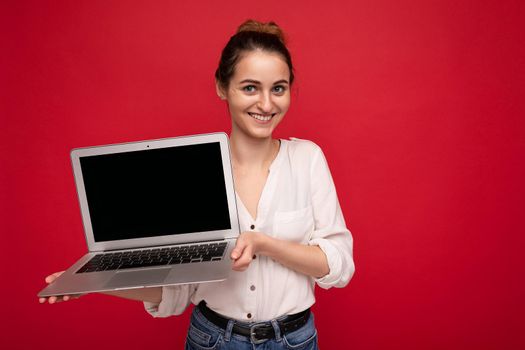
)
(252, 35)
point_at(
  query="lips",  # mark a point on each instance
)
(262, 117)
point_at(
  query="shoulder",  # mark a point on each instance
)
(302, 155)
(302, 147)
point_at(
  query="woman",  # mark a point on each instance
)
(293, 232)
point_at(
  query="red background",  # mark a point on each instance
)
(418, 106)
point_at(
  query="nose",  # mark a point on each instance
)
(265, 102)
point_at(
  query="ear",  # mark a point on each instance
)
(220, 90)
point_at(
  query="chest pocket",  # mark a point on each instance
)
(295, 225)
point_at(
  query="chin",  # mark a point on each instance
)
(261, 134)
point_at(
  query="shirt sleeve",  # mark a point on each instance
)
(175, 299)
(330, 231)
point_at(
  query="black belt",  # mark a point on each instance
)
(258, 332)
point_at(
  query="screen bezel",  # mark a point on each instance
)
(221, 138)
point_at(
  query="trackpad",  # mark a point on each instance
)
(137, 278)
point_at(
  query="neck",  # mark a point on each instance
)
(249, 152)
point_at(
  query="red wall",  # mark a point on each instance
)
(418, 105)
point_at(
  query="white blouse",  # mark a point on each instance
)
(298, 203)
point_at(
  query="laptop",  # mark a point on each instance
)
(155, 213)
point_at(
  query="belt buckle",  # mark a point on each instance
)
(253, 334)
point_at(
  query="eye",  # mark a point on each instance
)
(249, 88)
(279, 89)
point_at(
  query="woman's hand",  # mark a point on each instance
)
(305, 259)
(248, 244)
(57, 299)
(151, 294)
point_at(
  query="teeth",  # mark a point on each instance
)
(261, 117)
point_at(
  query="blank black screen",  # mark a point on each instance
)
(156, 192)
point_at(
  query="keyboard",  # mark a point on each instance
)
(155, 257)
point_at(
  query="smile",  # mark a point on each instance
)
(262, 117)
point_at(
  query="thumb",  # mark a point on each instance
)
(237, 251)
(53, 276)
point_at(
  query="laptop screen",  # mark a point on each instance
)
(156, 192)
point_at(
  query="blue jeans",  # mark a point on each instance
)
(204, 335)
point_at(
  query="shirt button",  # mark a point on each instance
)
(249, 315)
(252, 227)
(252, 288)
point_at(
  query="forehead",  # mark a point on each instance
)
(262, 66)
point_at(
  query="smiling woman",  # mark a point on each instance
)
(293, 232)
(254, 74)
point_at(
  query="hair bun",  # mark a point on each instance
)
(260, 27)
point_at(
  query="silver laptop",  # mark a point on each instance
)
(155, 213)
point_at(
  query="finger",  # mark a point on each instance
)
(58, 299)
(237, 266)
(247, 254)
(71, 297)
(244, 260)
(240, 266)
(53, 276)
(236, 253)
(238, 250)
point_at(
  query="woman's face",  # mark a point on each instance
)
(258, 94)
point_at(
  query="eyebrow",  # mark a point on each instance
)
(251, 81)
